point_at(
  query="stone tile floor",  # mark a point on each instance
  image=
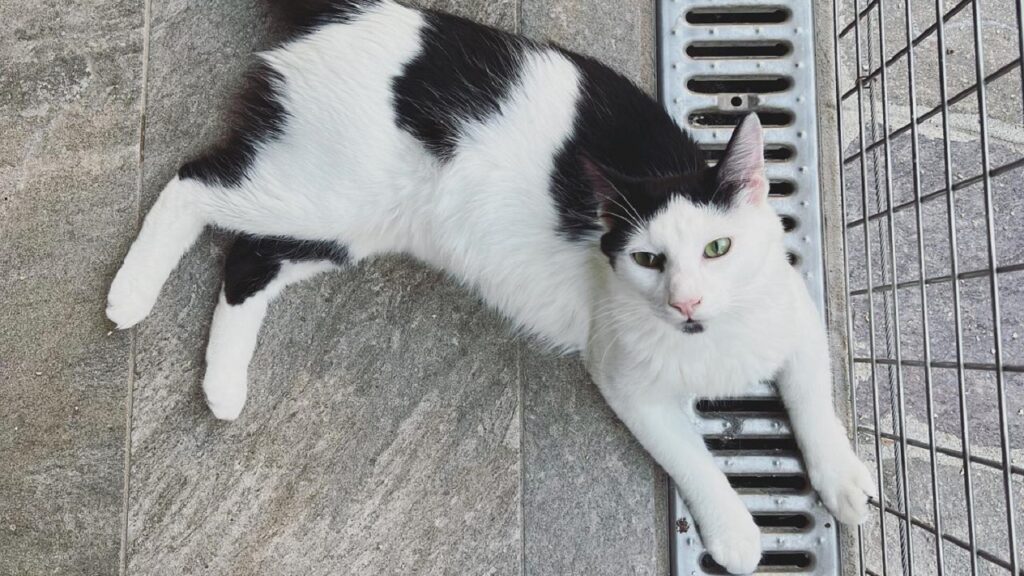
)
(394, 426)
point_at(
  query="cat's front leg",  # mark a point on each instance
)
(805, 383)
(726, 527)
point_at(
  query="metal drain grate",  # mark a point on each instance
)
(719, 62)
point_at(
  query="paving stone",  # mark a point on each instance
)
(69, 115)
(619, 33)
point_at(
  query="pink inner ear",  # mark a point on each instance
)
(757, 190)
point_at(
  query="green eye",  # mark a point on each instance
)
(649, 259)
(717, 248)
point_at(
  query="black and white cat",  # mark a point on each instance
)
(561, 193)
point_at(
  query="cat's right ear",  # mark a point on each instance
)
(605, 188)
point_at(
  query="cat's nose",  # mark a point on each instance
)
(687, 307)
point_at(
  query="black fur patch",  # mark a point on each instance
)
(462, 73)
(256, 117)
(298, 17)
(640, 199)
(621, 128)
(253, 262)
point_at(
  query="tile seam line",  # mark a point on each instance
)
(133, 333)
(520, 385)
(519, 26)
(650, 25)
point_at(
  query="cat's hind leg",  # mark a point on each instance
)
(255, 272)
(169, 230)
(207, 190)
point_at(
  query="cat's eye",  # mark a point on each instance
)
(649, 259)
(717, 248)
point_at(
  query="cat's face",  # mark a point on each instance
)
(688, 246)
(693, 263)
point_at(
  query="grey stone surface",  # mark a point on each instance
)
(829, 147)
(70, 86)
(368, 446)
(619, 33)
(503, 14)
(594, 501)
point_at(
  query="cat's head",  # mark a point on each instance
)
(689, 245)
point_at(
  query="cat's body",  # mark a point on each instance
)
(552, 186)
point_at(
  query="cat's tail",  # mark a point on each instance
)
(169, 230)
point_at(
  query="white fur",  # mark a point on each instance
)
(344, 172)
(169, 230)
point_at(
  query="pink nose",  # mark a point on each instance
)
(687, 307)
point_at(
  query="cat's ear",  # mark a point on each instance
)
(607, 186)
(742, 166)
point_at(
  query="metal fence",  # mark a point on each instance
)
(931, 141)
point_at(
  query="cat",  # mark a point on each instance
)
(561, 193)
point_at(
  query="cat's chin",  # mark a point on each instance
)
(691, 327)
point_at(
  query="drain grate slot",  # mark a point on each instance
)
(749, 443)
(730, 119)
(770, 562)
(719, 62)
(781, 188)
(772, 153)
(739, 15)
(783, 522)
(724, 50)
(740, 405)
(775, 483)
(733, 85)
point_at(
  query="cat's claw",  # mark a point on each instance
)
(734, 541)
(844, 485)
(129, 302)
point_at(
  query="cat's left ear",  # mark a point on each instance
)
(742, 166)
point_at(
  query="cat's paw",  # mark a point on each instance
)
(733, 540)
(844, 484)
(130, 299)
(225, 393)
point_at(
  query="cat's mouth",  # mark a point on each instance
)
(691, 327)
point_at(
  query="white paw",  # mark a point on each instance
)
(130, 299)
(844, 484)
(225, 393)
(733, 540)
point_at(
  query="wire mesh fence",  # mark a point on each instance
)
(932, 189)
